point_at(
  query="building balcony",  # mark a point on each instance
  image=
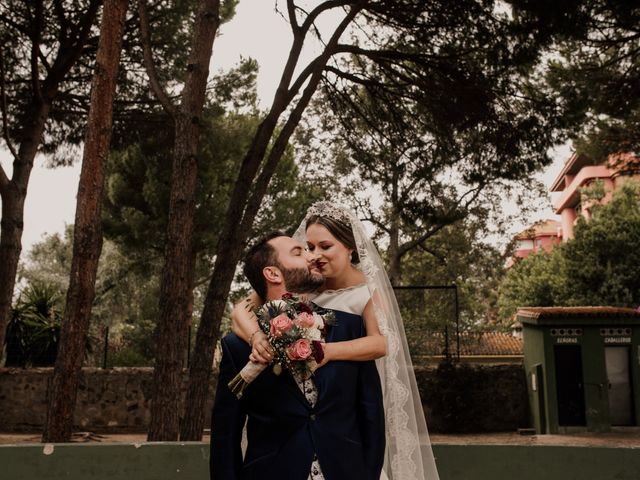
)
(570, 196)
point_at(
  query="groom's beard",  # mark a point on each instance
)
(301, 280)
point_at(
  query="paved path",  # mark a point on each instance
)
(617, 439)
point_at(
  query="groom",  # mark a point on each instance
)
(342, 432)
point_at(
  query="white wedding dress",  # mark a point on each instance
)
(408, 453)
(350, 300)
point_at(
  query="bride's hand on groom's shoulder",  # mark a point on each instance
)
(261, 351)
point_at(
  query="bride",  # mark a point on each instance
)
(356, 282)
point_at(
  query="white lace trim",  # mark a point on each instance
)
(344, 289)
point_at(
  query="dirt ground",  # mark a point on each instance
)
(616, 439)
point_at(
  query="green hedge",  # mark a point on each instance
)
(463, 398)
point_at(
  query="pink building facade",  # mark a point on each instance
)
(542, 235)
(579, 172)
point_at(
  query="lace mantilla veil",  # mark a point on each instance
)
(406, 428)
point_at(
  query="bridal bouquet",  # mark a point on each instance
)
(296, 330)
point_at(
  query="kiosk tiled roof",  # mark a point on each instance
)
(576, 315)
(538, 312)
(478, 344)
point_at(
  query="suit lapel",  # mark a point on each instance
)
(290, 382)
(327, 372)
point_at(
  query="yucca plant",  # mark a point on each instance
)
(34, 329)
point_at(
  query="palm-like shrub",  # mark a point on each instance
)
(34, 329)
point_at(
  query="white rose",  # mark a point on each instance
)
(319, 320)
(314, 334)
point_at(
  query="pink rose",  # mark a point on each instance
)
(280, 325)
(304, 320)
(299, 350)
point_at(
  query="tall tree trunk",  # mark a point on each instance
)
(177, 274)
(87, 241)
(224, 268)
(393, 251)
(14, 193)
(243, 206)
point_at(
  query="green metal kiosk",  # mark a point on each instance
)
(583, 367)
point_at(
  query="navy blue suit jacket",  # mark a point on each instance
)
(345, 428)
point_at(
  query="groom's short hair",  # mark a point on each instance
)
(261, 255)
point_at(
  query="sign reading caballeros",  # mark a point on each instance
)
(617, 340)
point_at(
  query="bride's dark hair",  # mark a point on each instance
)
(342, 232)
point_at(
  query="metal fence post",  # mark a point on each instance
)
(106, 347)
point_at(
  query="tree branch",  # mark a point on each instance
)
(395, 54)
(377, 223)
(354, 78)
(282, 140)
(282, 98)
(376, 127)
(67, 57)
(308, 70)
(433, 253)
(35, 49)
(407, 246)
(85, 24)
(323, 7)
(8, 21)
(4, 181)
(62, 21)
(291, 8)
(45, 62)
(3, 105)
(411, 187)
(145, 38)
(410, 245)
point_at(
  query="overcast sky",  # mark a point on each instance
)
(257, 31)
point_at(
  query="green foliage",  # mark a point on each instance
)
(34, 328)
(455, 255)
(603, 261)
(537, 281)
(127, 357)
(57, 27)
(136, 204)
(595, 75)
(440, 117)
(463, 398)
(598, 267)
(594, 192)
(48, 261)
(126, 294)
(228, 10)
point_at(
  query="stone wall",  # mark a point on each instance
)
(115, 399)
(457, 398)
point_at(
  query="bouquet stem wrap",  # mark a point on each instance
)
(247, 375)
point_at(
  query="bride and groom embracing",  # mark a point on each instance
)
(354, 417)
